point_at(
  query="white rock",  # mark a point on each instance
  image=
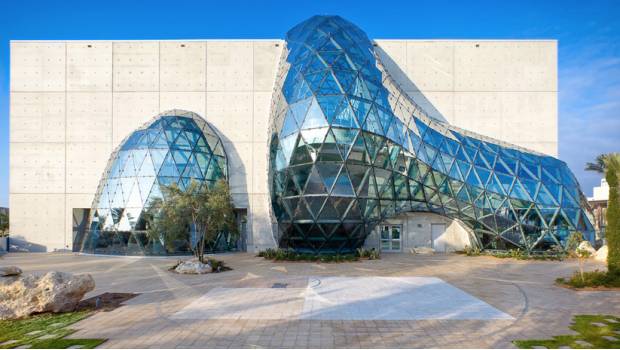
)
(193, 267)
(601, 254)
(585, 245)
(54, 291)
(10, 271)
(424, 250)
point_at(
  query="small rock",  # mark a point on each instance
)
(610, 338)
(76, 347)
(611, 320)
(33, 332)
(599, 324)
(25, 346)
(193, 267)
(423, 250)
(585, 245)
(538, 347)
(24, 295)
(6, 271)
(601, 254)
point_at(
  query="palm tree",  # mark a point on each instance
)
(599, 164)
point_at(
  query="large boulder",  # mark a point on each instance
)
(193, 267)
(54, 291)
(585, 245)
(601, 254)
(10, 271)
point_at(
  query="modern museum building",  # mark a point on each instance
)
(329, 141)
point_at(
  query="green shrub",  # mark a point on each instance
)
(217, 265)
(279, 254)
(594, 278)
(518, 254)
(370, 254)
(472, 251)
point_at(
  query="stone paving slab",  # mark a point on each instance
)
(245, 303)
(392, 298)
(523, 289)
(344, 298)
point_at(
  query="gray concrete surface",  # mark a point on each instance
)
(524, 290)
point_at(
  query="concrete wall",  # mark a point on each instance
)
(416, 232)
(503, 89)
(73, 102)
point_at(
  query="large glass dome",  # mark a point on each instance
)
(175, 147)
(349, 149)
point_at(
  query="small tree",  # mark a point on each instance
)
(582, 255)
(612, 230)
(198, 211)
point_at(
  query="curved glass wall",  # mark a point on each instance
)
(174, 147)
(348, 149)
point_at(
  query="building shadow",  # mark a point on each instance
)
(408, 86)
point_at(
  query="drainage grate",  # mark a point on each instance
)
(279, 285)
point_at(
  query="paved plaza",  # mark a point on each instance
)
(401, 300)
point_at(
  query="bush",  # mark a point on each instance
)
(472, 251)
(279, 254)
(370, 254)
(552, 254)
(217, 265)
(594, 278)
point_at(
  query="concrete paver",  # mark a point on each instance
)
(524, 290)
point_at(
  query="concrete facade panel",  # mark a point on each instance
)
(37, 116)
(130, 110)
(38, 66)
(260, 125)
(89, 66)
(430, 65)
(38, 221)
(183, 66)
(190, 101)
(136, 66)
(260, 168)
(37, 168)
(230, 66)
(231, 113)
(85, 165)
(437, 104)
(505, 66)
(239, 166)
(265, 66)
(89, 117)
(262, 226)
(393, 54)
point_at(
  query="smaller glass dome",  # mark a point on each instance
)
(175, 147)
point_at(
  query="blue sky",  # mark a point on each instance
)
(588, 33)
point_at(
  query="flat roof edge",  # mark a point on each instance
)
(266, 40)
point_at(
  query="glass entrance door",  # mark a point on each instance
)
(391, 238)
